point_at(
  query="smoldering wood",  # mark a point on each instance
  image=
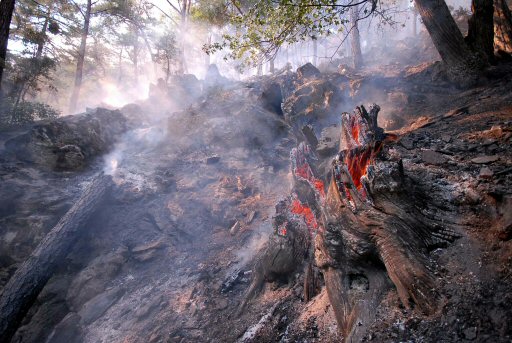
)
(286, 251)
(373, 235)
(29, 279)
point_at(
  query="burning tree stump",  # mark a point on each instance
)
(372, 230)
(30, 278)
(369, 230)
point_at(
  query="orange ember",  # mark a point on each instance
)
(355, 132)
(304, 172)
(358, 165)
(304, 211)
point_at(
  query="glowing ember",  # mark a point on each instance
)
(357, 164)
(355, 130)
(281, 231)
(304, 171)
(306, 213)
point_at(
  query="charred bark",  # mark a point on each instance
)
(373, 235)
(6, 11)
(463, 66)
(502, 27)
(481, 29)
(27, 282)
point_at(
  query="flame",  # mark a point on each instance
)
(306, 213)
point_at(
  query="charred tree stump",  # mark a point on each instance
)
(373, 234)
(502, 27)
(27, 282)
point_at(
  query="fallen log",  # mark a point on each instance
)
(29, 279)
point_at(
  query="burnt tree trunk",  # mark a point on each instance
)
(357, 55)
(462, 65)
(80, 59)
(6, 10)
(502, 27)
(374, 236)
(29, 279)
(481, 28)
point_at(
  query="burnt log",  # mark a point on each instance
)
(29, 279)
(373, 235)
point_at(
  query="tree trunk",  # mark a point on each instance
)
(6, 10)
(272, 67)
(40, 44)
(502, 27)
(185, 9)
(462, 65)
(207, 59)
(481, 28)
(29, 279)
(357, 55)
(120, 67)
(414, 21)
(81, 58)
(315, 52)
(136, 59)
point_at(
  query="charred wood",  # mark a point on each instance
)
(27, 282)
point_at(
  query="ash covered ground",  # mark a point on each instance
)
(171, 254)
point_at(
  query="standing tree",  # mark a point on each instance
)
(357, 55)
(6, 11)
(502, 27)
(463, 65)
(81, 56)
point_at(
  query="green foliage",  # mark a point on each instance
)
(25, 75)
(211, 12)
(167, 51)
(268, 24)
(12, 113)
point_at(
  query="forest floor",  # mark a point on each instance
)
(170, 256)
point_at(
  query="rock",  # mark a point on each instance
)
(329, 140)
(312, 103)
(309, 133)
(308, 71)
(70, 157)
(272, 97)
(234, 229)
(460, 110)
(471, 196)
(97, 306)
(213, 78)
(147, 251)
(251, 216)
(470, 333)
(446, 138)
(432, 157)
(212, 159)
(68, 330)
(94, 279)
(485, 159)
(407, 143)
(69, 142)
(486, 173)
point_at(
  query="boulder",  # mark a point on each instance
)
(68, 143)
(312, 103)
(308, 71)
